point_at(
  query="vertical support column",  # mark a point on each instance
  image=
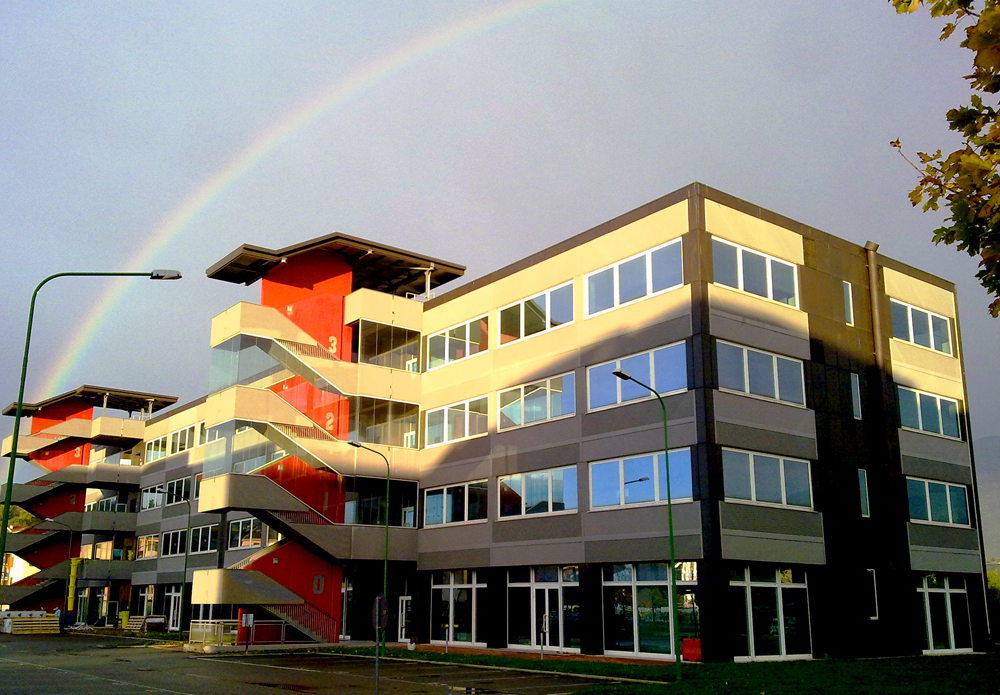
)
(496, 594)
(591, 610)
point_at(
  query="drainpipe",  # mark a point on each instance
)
(872, 250)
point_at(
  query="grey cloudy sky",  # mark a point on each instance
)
(535, 121)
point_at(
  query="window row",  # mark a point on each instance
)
(762, 374)
(664, 369)
(754, 273)
(646, 274)
(457, 421)
(543, 312)
(547, 399)
(928, 413)
(766, 479)
(458, 342)
(170, 543)
(176, 442)
(920, 327)
(941, 503)
(538, 492)
(455, 504)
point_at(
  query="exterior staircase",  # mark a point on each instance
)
(308, 620)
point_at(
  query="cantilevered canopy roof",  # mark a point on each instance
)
(119, 399)
(375, 266)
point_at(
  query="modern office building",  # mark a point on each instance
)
(819, 465)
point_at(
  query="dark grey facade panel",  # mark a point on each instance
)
(754, 547)
(452, 559)
(927, 535)
(687, 546)
(937, 470)
(767, 441)
(646, 521)
(755, 333)
(511, 459)
(537, 528)
(625, 417)
(775, 520)
(639, 441)
(641, 338)
(929, 446)
(935, 560)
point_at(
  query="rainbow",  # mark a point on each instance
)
(281, 132)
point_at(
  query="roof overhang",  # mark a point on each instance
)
(374, 266)
(118, 399)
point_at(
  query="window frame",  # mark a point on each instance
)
(927, 501)
(920, 415)
(848, 303)
(548, 314)
(652, 371)
(165, 540)
(445, 409)
(774, 361)
(856, 396)
(159, 499)
(657, 500)
(199, 531)
(447, 342)
(178, 498)
(768, 274)
(250, 520)
(930, 326)
(864, 494)
(548, 403)
(444, 489)
(781, 469)
(524, 514)
(146, 547)
(617, 303)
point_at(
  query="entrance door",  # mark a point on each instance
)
(405, 610)
(547, 618)
(172, 599)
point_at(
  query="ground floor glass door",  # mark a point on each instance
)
(543, 607)
(946, 613)
(172, 603)
(770, 613)
(405, 617)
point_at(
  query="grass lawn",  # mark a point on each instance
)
(968, 674)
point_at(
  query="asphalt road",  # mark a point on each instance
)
(93, 665)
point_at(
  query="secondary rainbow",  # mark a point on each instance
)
(287, 127)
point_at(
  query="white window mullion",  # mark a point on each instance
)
(753, 485)
(783, 650)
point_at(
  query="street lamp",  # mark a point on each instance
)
(625, 376)
(187, 547)
(385, 566)
(152, 275)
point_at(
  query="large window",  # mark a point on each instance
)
(364, 502)
(664, 369)
(378, 421)
(920, 327)
(456, 504)
(547, 399)
(386, 346)
(928, 413)
(244, 533)
(173, 543)
(538, 492)
(946, 613)
(761, 374)
(534, 315)
(151, 498)
(637, 607)
(649, 273)
(458, 342)
(640, 479)
(769, 609)
(754, 273)
(178, 490)
(766, 479)
(156, 449)
(204, 539)
(939, 503)
(458, 607)
(543, 607)
(457, 421)
(176, 442)
(146, 547)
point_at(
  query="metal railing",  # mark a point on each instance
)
(322, 626)
(215, 632)
(304, 350)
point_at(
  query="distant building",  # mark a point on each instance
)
(822, 480)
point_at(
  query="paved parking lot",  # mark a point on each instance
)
(87, 665)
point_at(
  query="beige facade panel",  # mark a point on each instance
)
(436, 539)
(437, 470)
(918, 293)
(646, 233)
(459, 381)
(247, 492)
(383, 308)
(756, 322)
(934, 448)
(753, 232)
(256, 319)
(762, 414)
(75, 427)
(926, 370)
(404, 463)
(178, 419)
(246, 403)
(26, 444)
(239, 587)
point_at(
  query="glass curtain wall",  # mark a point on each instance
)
(458, 607)
(543, 607)
(637, 607)
(386, 346)
(769, 607)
